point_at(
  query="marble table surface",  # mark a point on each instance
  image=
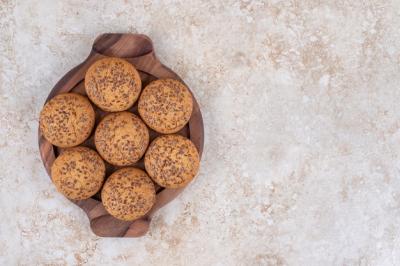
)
(300, 101)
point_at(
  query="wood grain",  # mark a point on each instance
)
(137, 49)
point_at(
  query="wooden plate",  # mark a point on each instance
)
(137, 49)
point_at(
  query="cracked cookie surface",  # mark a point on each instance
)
(78, 173)
(113, 84)
(166, 105)
(172, 161)
(121, 138)
(67, 120)
(128, 194)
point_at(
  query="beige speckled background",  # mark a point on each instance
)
(300, 100)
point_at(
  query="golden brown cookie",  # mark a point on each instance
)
(67, 120)
(121, 138)
(166, 105)
(78, 173)
(128, 194)
(172, 161)
(113, 84)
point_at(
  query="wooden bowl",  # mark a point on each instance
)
(137, 49)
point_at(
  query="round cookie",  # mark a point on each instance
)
(172, 161)
(121, 138)
(78, 173)
(128, 194)
(67, 120)
(113, 84)
(166, 105)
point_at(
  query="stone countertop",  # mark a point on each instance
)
(300, 101)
